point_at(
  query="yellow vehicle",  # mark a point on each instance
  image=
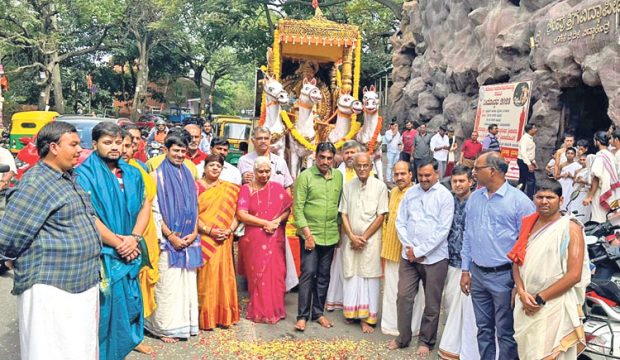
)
(237, 131)
(27, 124)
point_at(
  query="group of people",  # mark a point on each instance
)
(115, 246)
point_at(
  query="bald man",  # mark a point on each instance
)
(363, 206)
(193, 152)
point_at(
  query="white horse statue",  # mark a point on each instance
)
(309, 96)
(372, 128)
(347, 105)
(275, 97)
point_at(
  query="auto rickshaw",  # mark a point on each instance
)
(237, 131)
(27, 124)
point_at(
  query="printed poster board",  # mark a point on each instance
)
(506, 105)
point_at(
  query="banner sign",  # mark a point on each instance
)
(507, 106)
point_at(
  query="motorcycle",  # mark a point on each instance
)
(154, 149)
(602, 305)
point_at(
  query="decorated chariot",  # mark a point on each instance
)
(310, 86)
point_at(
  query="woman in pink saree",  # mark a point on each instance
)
(264, 207)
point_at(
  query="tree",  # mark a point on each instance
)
(149, 23)
(39, 36)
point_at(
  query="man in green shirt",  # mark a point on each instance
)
(316, 197)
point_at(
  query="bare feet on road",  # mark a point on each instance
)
(324, 322)
(300, 325)
(168, 340)
(366, 328)
(423, 351)
(144, 349)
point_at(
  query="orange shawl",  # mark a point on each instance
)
(517, 254)
(217, 207)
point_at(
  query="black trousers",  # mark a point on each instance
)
(405, 156)
(527, 179)
(314, 280)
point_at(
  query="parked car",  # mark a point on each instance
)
(27, 157)
(147, 121)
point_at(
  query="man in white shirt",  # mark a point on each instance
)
(423, 222)
(261, 138)
(440, 146)
(526, 160)
(221, 146)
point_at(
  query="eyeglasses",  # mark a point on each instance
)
(263, 138)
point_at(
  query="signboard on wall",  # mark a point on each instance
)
(506, 105)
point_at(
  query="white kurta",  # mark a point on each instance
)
(362, 205)
(604, 169)
(362, 268)
(567, 183)
(55, 324)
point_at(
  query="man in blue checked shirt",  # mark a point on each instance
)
(492, 224)
(49, 231)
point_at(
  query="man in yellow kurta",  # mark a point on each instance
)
(148, 275)
(551, 273)
(391, 249)
(363, 206)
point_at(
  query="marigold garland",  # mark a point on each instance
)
(276, 54)
(358, 66)
(372, 144)
(355, 126)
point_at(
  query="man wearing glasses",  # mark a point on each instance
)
(363, 207)
(316, 197)
(492, 222)
(261, 139)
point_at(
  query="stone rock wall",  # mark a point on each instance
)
(446, 49)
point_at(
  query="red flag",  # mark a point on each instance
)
(89, 81)
(315, 3)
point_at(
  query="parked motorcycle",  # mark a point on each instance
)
(602, 306)
(154, 149)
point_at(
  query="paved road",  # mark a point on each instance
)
(243, 341)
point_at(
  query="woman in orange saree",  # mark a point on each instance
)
(217, 286)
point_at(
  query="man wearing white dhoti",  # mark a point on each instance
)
(551, 273)
(423, 223)
(176, 216)
(566, 175)
(49, 228)
(461, 322)
(604, 179)
(363, 206)
(334, 291)
(390, 253)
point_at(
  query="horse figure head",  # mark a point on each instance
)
(348, 105)
(370, 100)
(275, 91)
(310, 92)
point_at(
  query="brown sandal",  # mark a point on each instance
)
(324, 322)
(300, 325)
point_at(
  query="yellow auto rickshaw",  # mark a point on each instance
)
(27, 124)
(237, 131)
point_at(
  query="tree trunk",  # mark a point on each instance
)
(139, 99)
(44, 95)
(57, 86)
(202, 87)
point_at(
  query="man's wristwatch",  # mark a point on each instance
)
(540, 301)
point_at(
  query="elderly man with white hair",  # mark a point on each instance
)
(363, 207)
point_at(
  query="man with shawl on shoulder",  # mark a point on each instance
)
(116, 191)
(149, 275)
(176, 213)
(551, 273)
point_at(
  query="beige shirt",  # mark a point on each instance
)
(362, 205)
